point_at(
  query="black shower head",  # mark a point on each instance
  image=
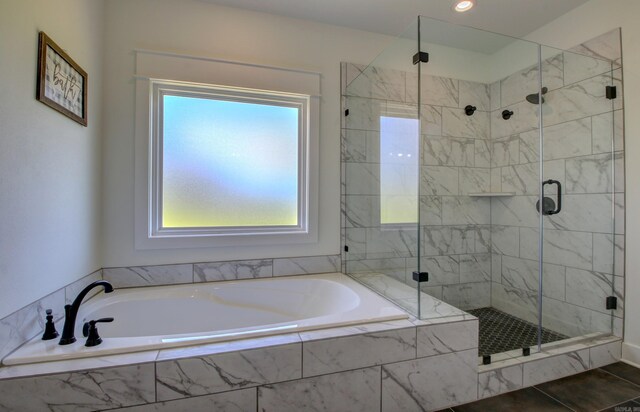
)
(535, 97)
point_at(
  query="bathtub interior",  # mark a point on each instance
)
(166, 317)
(214, 307)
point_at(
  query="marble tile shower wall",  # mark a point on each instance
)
(482, 252)
(583, 248)
(455, 161)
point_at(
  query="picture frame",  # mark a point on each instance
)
(62, 84)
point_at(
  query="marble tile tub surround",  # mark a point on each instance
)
(350, 368)
(28, 322)
(455, 160)
(388, 366)
(584, 244)
(137, 276)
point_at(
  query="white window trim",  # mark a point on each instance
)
(189, 74)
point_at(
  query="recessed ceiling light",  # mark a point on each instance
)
(464, 5)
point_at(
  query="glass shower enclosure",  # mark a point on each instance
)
(483, 174)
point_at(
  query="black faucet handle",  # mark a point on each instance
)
(50, 331)
(92, 324)
(90, 331)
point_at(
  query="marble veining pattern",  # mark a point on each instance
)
(474, 180)
(439, 180)
(448, 151)
(523, 274)
(605, 47)
(446, 338)
(406, 386)
(358, 351)
(442, 269)
(448, 240)
(555, 367)
(475, 94)
(561, 247)
(468, 296)
(28, 322)
(458, 210)
(579, 67)
(505, 151)
(80, 391)
(306, 265)
(456, 123)
(475, 268)
(241, 400)
(137, 276)
(351, 391)
(561, 141)
(499, 381)
(605, 354)
(236, 370)
(505, 240)
(608, 127)
(435, 90)
(244, 269)
(430, 120)
(589, 289)
(590, 174)
(514, 88)
(574, 320)
(585, 213)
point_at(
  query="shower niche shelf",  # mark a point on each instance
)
(493, 194)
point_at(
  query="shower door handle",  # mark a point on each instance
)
(559, 195)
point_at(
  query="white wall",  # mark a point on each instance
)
(587, 21)
(50, 180)
(200, 28)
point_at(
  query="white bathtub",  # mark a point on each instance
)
(170, 316)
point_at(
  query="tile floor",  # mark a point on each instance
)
(501, 332)
(612, 388)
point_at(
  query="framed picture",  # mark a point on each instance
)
(62, 84)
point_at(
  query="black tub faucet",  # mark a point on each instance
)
(71, 311)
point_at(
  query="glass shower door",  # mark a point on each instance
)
(579, 159)
(476, 184)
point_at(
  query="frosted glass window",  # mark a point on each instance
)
(229, 163)
(229, 160)
(399, 157)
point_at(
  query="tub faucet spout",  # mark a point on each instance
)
(71, 311)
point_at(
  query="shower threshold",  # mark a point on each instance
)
(501, 332)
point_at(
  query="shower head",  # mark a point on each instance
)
(535, 97)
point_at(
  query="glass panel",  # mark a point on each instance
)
(479, 180)
(380, 159)
(464, 206)
(228, 163)
(579, 237)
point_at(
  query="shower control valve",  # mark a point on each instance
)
(469, 110)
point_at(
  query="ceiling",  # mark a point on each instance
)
(515, 18)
